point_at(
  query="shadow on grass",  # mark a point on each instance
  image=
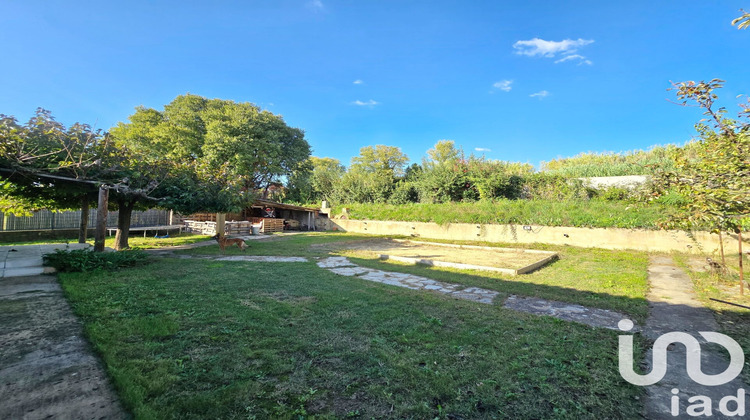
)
(599, 278)
(635, 307)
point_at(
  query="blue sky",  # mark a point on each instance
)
(522, 81)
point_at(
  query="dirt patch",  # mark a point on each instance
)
(286, 297)
(512, 258)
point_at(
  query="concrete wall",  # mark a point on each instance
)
(627, 181)
(638, 239)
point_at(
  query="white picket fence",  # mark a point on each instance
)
(49, 220)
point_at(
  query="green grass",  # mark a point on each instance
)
(577, 213)
(135, 241)
(600, 278)
(150, 242)
(313, 244)
(593, 277)
(195, 339)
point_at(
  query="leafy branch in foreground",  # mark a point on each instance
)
(742, 22)
(716, 179)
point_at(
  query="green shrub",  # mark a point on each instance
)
(578, 213)
(614, 194)
(82, 260)
(541, 186)
(405, 192)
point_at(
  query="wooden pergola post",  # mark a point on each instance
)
(221, 219)
(101, 219)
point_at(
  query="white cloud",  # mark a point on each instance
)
(566, 49)
(544, 48)
(315, 5)
(581, 59)
(358, 82)
(570, 57)
(366, 103)
(541, 94)
(504, 85)
(482, 149)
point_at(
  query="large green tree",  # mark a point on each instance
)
(218, 153)
(253, 145)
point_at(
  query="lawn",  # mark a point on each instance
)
(137, 241)
(199, 338)
(595, 277)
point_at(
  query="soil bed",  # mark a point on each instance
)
(510, 260)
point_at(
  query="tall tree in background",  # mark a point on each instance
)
(326, 174)
(316, 180)
(444, 176)
(372, 175)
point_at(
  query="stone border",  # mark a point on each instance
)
(593, 317)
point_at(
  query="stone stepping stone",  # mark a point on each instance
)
(260, 258)
(333, 262)
(594, 317)
(484, 297)
(350, 271)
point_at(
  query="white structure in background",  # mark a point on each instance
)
(628, 181)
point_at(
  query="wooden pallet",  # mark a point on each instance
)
(268, 224)
(238, 228)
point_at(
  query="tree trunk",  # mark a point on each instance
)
(101, 219)
(221, 219)
(125, 211)
(721, 247)
(742, 274)
(83, 230)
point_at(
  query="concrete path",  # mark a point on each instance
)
(26, 260)
(47, 369)
(594, 317)
(674, 307)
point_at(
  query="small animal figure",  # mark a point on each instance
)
(224, 242)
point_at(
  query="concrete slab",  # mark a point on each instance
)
(594, 317)
(23, 271)
(27, 260)
(23, 262)
(675, 307)
(48, 370)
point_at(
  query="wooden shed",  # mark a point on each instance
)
(275, 217)
(268, 216)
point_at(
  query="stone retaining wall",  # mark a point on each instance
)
(612, 238)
